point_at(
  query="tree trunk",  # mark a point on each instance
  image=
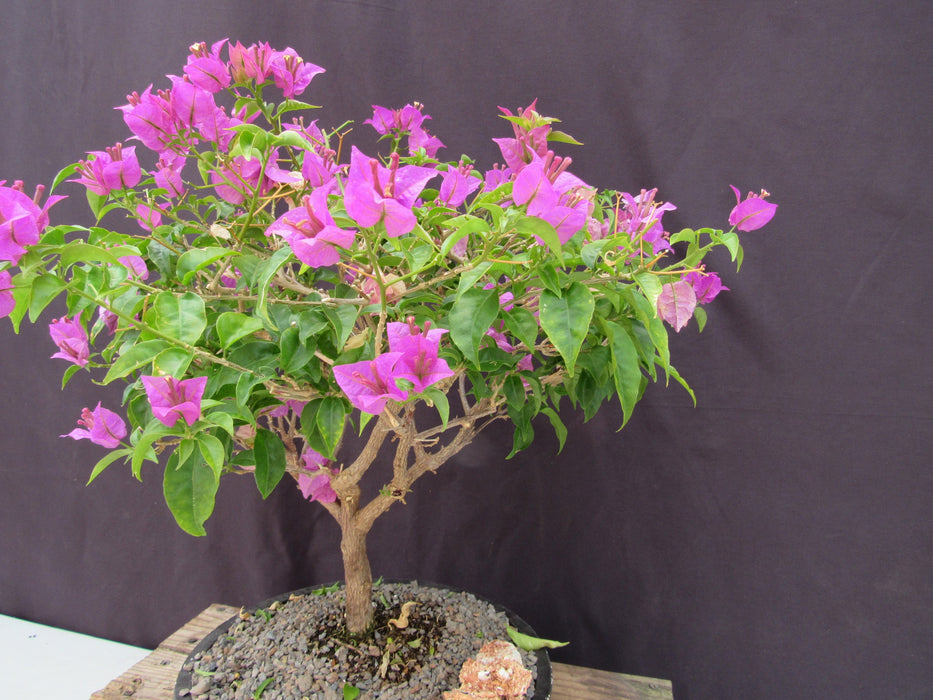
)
(358, 577)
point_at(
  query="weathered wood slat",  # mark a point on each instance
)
(153, 678)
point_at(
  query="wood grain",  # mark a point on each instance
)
(153, 678)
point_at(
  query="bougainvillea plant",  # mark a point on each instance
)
(264, 289)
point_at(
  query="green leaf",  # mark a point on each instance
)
(137, 356)
(541, 229)
(529, 643)
(350, 692)
(270, 460)
(650, 285)
(523, 325)
(181, 317)
(212, 449)
(559, 428)
(189, 488)
(469, 278)
(44, 290)
(566, 320)
(439, 399)
(470, 317)
(143, 449)
(330, 421)
(343, 319)
(197, 259)
(233, 325)
(626, 372)
(266, 272)
(106, 461)
(462, 226)
(172, 362)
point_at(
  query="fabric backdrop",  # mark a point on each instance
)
(773, 542)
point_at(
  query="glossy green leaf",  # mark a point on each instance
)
(181, 317)
(212, 449)
(44, 290)
(137, 356)
(542, 230)
(626, 372)
(461, 227)
(197, 259)
(560, 430)
(439, 399)
(172, 362)
(523, 325)
(233, 325)
(106, 461)
(470, 317)
(529, 643)
(189, 487)
(566, 320)
(330, 421)
(270, 460)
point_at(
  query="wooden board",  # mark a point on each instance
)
(153, 678)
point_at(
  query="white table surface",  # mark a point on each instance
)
(45, 663)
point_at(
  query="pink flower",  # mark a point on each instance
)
(172, 399)
(151, 118)
(101, 426)
(676, 303)
(641, 216)
(752, 213)
(376, 193)
(7, 302)
(706, 285)
(206, 69)
(251, 62)
(291, 72)
(114, 168)
(71, 338)
(419, 363)
(109, 319)
(370, 384)
(315, 482)
(457, 185)
(21, 219)
(311, 232)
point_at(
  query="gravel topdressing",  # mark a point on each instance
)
(301, 649)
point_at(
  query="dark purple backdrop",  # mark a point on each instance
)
(773, 542)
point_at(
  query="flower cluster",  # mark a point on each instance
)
(280, 284)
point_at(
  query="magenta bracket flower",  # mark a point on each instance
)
(553, 194)
(419, 363)
(706, 285)
(314, 480)
(71, 338)
(370, 384)
(172, 398)
(21, 219)
(753, 212)
(311, 232)
(114, 168)
(7, 302)
(291, 72)
(376, 193)
(206, 69)
(101, 426)
(676, 303)
(641, 218)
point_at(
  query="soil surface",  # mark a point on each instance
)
(300, 648)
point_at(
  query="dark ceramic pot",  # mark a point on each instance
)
(542, 681)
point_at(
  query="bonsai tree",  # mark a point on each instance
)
(264, 289)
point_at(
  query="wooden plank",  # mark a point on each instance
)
(153, 678)
(578, 683)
